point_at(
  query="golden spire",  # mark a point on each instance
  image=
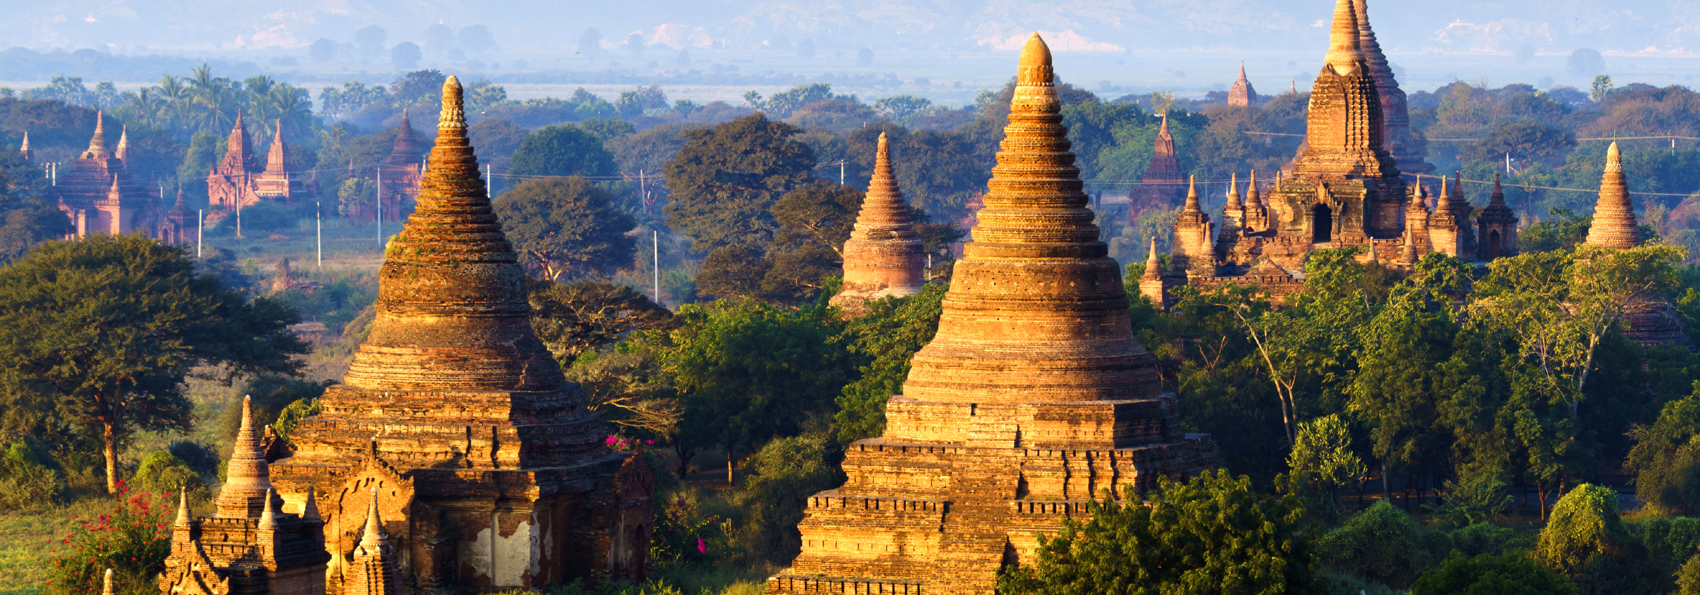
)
(1151, 263)
(372, 539)
(1191, 196)
(1417, 198)
(1234, 201)
(268, 516)
(1345, 46)
(123, 150)
(883, 256)
(310, 509)
(1163, 131)
(97, 142)
(1614, 223)
(182, 507)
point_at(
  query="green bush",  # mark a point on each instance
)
(1476, 499)
(1382, 544)
(1688, 578)
(1666, 458)
(293, 414)
(199, 457)
(1346, 584)
(133, 540)
(1476, 539)
(783, 474)
(1490, 574)
(1584, 526)
(162, 473)
(25, 482)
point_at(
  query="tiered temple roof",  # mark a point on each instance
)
(1614, 223)
(1242, 94)
(883, 256)
(1032, 397)
(458, 414)
(99, 196)
(1163, 184)
(1400, 143)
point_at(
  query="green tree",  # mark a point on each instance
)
(101, 333)
(356, 196)
(1382, 544)
(1585, 527)
(1322, 458)
(726, 179)
(1213, 534)
(814, 221)
(1666, 458)
(574, 318)
(1490, 574)
(887, 335)
(782, 476)
(569, 226)
(562, 151)
(1523, 141)
(747, 371)
(1561, 231)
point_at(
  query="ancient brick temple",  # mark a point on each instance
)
(1163, 184)
(180, 224)
(1032, 399)
(249, 546)
(1242, 94)
(98, 194)
(490, 471)
(239, 180)
(1649, 320)
(883, 256)
(400, 173)
(1343, 190)
(1405, 148)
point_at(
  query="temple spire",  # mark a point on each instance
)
(1151, 264)
(1498, 196)
(1234, 201)
(1191, 205)
(123, 150)
(274, 157)
(1614, 214)
(97, 141)
(883, 256)
(24, 149)
(182, 507)
(249, 477)
(1345, 45)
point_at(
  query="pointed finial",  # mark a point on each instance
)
(1035, 68)
(1614, 158)
(1164, 131)
(373, 537)
(1345, 51)
(238, 118)
(1498, 196)
(310, 509)
(1242, 70)
(1445, 190)
(1372, 256)
(268, 517)
(1192, 194)
(404, 120)
(452, 117)
(107, 588)
(183, 507)
(1151, 263)
(26, 145)
(1251, 191)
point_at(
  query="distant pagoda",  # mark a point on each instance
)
(1242, 94)
(1032, 398)
(883, 256)
(1164, 184)
(491, 471)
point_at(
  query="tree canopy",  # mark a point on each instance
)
(566, 227)
(562, 151)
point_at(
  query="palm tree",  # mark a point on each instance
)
(217, 105)
(176, 97)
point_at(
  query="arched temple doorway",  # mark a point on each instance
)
(1321, 224)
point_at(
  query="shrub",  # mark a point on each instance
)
(162, 473)
(1476, 539)
(1584, 526)
(25, 482)
(199, 457)
(1478, 498)
(1491, 575)
(783, 474)
(133, 540)
(682, 535)
(1382, 544)
(293, 414)
(1666, 458)
(1688, 579)
(1212, 534)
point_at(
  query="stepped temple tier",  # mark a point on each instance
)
(249, 546)
(1344, 189)
(489, 471)
(98, 194)
(1648, 320)
(1032, 398)
(1163, 185)
(883, 256)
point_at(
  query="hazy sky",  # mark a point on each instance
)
(1670, 27)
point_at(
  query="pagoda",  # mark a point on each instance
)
(883, 257)
(1163, 185)
(99, 196)
(401, 172)
(1649, 319)
(1031, 400)
(1401, 144)
(249, 546)
(1242, 94)
(239, 180)
(491, 472)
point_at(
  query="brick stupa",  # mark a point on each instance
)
(491, 471)
(883, 256)
(1242, 94)
(1649, 319)
(1164, 184)
(1397, 138)
(1032, 398)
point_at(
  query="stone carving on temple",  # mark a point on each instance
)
(490, 472)
(883, 257)
(1031, 399)
(249, 546)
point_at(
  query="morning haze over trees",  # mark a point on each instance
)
(1370, 413)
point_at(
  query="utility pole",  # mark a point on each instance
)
(840, 172)
(319, 233)
(655, 242)
(380, 217)
(200, 222)
(488, 181)
(238, 217)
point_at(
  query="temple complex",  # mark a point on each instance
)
(1163, 185)
(883, 256)
(1241, 94)
(249, 546)
(1032, 398)
(489, 469)
(98, 194)
(239, 180)
(181, 224)
(400, 173)
(1344, 189)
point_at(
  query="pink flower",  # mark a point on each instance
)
(701, 547)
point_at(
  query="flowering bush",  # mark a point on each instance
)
(628, 444)
(682, 535)
(134, 540)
